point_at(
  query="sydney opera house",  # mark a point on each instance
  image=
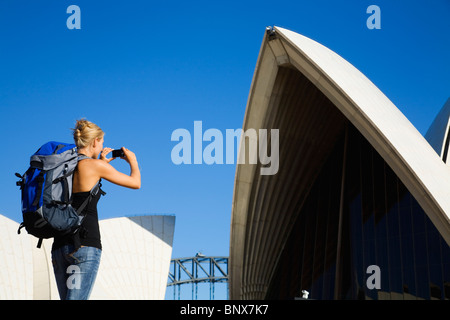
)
(358, 186)
(134, 265)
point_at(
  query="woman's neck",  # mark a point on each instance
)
(87, 152)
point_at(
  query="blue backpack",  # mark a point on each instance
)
(47, 192)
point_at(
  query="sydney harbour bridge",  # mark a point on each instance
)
(188, 273)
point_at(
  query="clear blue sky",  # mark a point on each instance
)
(141, 69)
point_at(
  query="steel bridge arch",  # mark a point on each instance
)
(195, 270)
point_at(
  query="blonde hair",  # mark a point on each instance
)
(85, 132)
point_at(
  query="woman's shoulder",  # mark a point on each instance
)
(91, 163)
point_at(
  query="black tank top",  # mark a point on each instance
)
(90, 231)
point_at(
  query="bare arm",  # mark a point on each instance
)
(108, 172)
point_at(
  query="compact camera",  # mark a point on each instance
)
(118, 153)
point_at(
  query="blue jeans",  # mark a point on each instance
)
(75, 272)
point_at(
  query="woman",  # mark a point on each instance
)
(76, 268)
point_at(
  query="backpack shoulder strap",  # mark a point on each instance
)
(69, 173)
(82, 157)
(95, 189)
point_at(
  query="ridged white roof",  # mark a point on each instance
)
(439, 129)
(134, 264)
(384, 126)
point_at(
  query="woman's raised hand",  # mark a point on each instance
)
(104, 153)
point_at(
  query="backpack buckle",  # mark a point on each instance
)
(21, 182)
